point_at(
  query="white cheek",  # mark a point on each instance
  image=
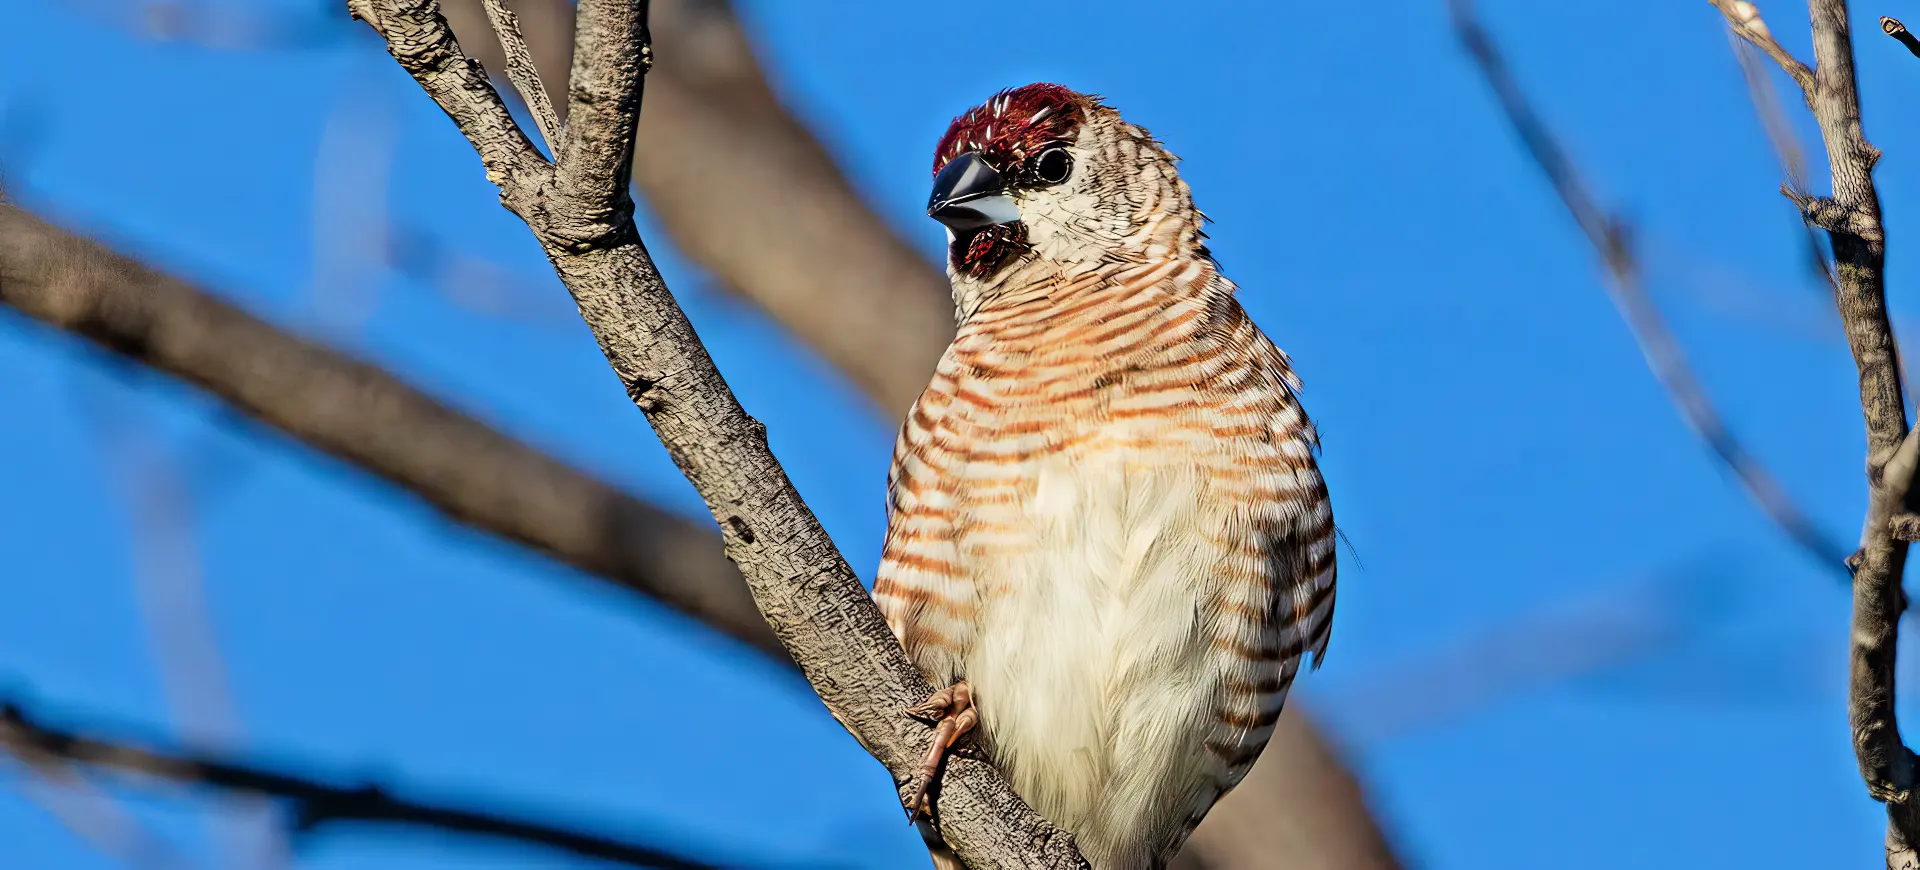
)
(950, 236)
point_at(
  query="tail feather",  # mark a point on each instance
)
(943, 856)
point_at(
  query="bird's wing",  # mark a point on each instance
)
(920, 587)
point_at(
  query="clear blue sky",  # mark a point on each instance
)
(1498, 453)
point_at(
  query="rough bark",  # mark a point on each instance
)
(1851, 217)
(358, 413)
(578, 208)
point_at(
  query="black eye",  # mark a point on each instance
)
(1052, 166)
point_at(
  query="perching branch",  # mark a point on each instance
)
(1610, 237)
(368, 418)
(314, 802)
(716, 146)
(579, 210)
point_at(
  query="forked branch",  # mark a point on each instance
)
(1851, 217)
(1746, 22)
(578, 208)
(523, 74)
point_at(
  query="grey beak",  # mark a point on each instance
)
(969, 194)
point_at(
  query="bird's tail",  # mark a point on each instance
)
(943, 856)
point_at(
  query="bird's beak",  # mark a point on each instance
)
(968, 194)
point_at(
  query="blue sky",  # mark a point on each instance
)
(1568, 632)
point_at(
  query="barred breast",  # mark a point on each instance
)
(1105, 514)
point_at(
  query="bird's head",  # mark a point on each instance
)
(1043, 172)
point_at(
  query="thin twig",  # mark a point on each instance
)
(94, 815)
(523, 74)
(170, 587)
(314, 802)
(1786, 148)
(1610, 237)
(1745, 20)
(580, 211)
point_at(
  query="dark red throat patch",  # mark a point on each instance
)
(1014, 125)
(982, 252)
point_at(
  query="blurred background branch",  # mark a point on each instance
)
(1612, 239)
(372, 420)
(310, 802)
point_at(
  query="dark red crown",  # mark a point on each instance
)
(1013, 124)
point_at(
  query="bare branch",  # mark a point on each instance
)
(362, 415)
(94, 815)
(1895, 29)
(171, 590)
(581, 215)
(521, 71)
(1859, 249)
(748, 193)
(314, 802)
(1610, 237)
(1745, 20)
(1786, 148)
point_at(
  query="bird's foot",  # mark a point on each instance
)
(951, 713)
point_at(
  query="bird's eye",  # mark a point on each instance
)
(1052, 166)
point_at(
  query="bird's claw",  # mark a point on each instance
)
(951, 713)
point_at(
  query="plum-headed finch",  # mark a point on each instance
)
(1107, 532)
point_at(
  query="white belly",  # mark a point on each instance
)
(1090, 666)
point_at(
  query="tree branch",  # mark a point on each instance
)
(92, 814)
(1859, 249)
(748, 193)
(1786, 148)
(523, 74)
(580, 213)
(1745, 20)
(314, 802)
(356, 412)
(1895, 29)
(1610, 237)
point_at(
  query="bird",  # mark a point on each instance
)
(1109, 543)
